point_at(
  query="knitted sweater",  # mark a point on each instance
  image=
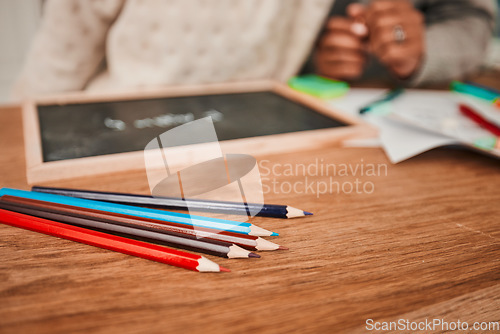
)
(110, 45)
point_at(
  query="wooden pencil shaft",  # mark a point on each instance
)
(246, 241)
(266, 210)
(174, 241)
(102, 240)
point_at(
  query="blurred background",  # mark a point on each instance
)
(20, 19)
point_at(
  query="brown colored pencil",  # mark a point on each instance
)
(217, 248)
(248, 242)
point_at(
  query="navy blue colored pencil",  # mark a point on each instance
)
(172, 203)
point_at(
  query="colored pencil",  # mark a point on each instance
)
(217, 248)
(172, 203)
(473, 90)
(111, 242)
(389, 96)
(480, 120)
(246, 241)
(486, 88)
(200, 221)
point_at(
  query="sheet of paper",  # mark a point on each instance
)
(418, 121)
(438, 111)
(362, 142)
(403, 141)
(355, 99)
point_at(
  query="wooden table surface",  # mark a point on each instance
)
(424, 245)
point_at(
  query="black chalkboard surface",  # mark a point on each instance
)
(91, 129)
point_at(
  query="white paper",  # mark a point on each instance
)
(419, 121)
(438, 112)
(362, 142)
(402, 141)
(355, 99)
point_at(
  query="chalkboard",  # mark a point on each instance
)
(91, 129)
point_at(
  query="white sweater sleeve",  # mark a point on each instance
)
(68, 47)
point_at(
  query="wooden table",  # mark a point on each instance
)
(425, 244)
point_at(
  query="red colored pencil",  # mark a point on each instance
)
(480, 120)
(115, 243)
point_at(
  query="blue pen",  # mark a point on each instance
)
(174, 217)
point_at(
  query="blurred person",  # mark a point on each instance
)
(110, 45)
(416, 42)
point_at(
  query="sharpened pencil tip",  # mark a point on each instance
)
(259, 232)
(224, 269)
(274, 234)
(296, 213)
(254, 255)
(283, 248)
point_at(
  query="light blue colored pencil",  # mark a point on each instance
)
(174, 217)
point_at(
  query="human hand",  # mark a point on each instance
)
(396, 32)
(341, 51)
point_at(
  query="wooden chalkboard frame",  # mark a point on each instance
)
(39, 171)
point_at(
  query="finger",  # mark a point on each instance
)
(388, 5)
(407, 18)
(347, 25)
(359, 29)
(383, 8)
(398, 54)
(339, 23)
(384, 38)
(341, 71)
(394, 54)
(385, 20)
(356, 11)
(406, 69)
(338, 69)
(341, 40)
(344, 55)
(373, 19)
